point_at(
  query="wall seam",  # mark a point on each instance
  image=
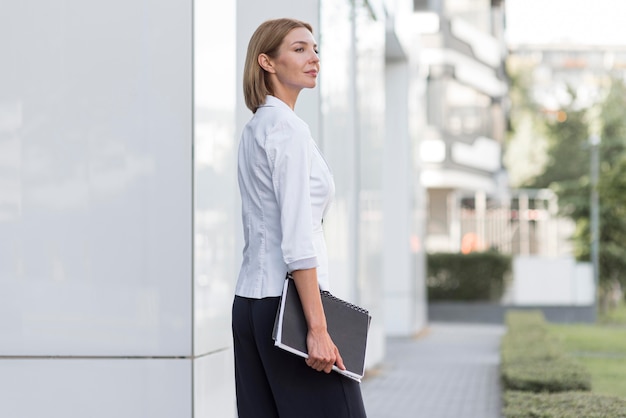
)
(193, 209)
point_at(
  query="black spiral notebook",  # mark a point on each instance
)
(347, 325)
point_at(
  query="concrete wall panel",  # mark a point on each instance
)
(95, 247)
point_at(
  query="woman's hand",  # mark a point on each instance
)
(323, 353)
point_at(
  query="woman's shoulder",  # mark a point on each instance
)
(277, 123)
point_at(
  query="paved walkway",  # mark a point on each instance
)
(450, 372)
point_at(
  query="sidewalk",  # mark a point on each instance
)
(450, 372)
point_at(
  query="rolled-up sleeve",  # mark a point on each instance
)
(289, 150)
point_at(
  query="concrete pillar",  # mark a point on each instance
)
(116, 263)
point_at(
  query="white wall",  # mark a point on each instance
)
(403, 315)
(404, 198)
(102, 388)
(338, 141)
(98, 217)
(551, 281)
(95, 247)
(216, 215)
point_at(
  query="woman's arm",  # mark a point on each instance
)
(323, 353)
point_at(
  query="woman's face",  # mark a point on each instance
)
(297, 64)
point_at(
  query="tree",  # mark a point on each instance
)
(526, 145)
(568, 174)
(567, 171)
(568, 154)
(612, 185)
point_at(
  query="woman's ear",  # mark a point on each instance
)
(265, 63)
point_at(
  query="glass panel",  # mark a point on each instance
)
(96, 388)
(215, 181)
(338, 142)
(95, 162)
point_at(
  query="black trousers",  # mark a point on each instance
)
(272, 383)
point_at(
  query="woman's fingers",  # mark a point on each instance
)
(323, 353)
(339, 360)
(319, 365)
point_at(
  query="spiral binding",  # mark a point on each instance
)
(328, 295)
(332, 297)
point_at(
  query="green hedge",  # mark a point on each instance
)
(533, 360)
(467, 277)
(527, 339)
(540, 381)
(559, 375)
(562, 405)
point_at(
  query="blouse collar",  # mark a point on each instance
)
(272, 101)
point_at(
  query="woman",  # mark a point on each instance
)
(286, 188)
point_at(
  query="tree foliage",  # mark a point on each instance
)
(568, 174)
(612, 185)
(525, 153)
(568, 153)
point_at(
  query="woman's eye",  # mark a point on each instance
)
(299, 49)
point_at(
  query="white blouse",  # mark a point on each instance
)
(286, 189)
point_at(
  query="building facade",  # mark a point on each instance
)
(462, 59)
(120, 234)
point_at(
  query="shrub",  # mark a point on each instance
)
(562, 405)
(528, 339)
(556, 375)
(533, 360)
(467, 277)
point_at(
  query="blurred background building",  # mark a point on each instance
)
(462, 56)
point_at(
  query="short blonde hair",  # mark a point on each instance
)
(266, 40)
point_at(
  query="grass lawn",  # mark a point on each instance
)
(601, 348)
(615, 316)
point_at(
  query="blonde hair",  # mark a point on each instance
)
(266, 40)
